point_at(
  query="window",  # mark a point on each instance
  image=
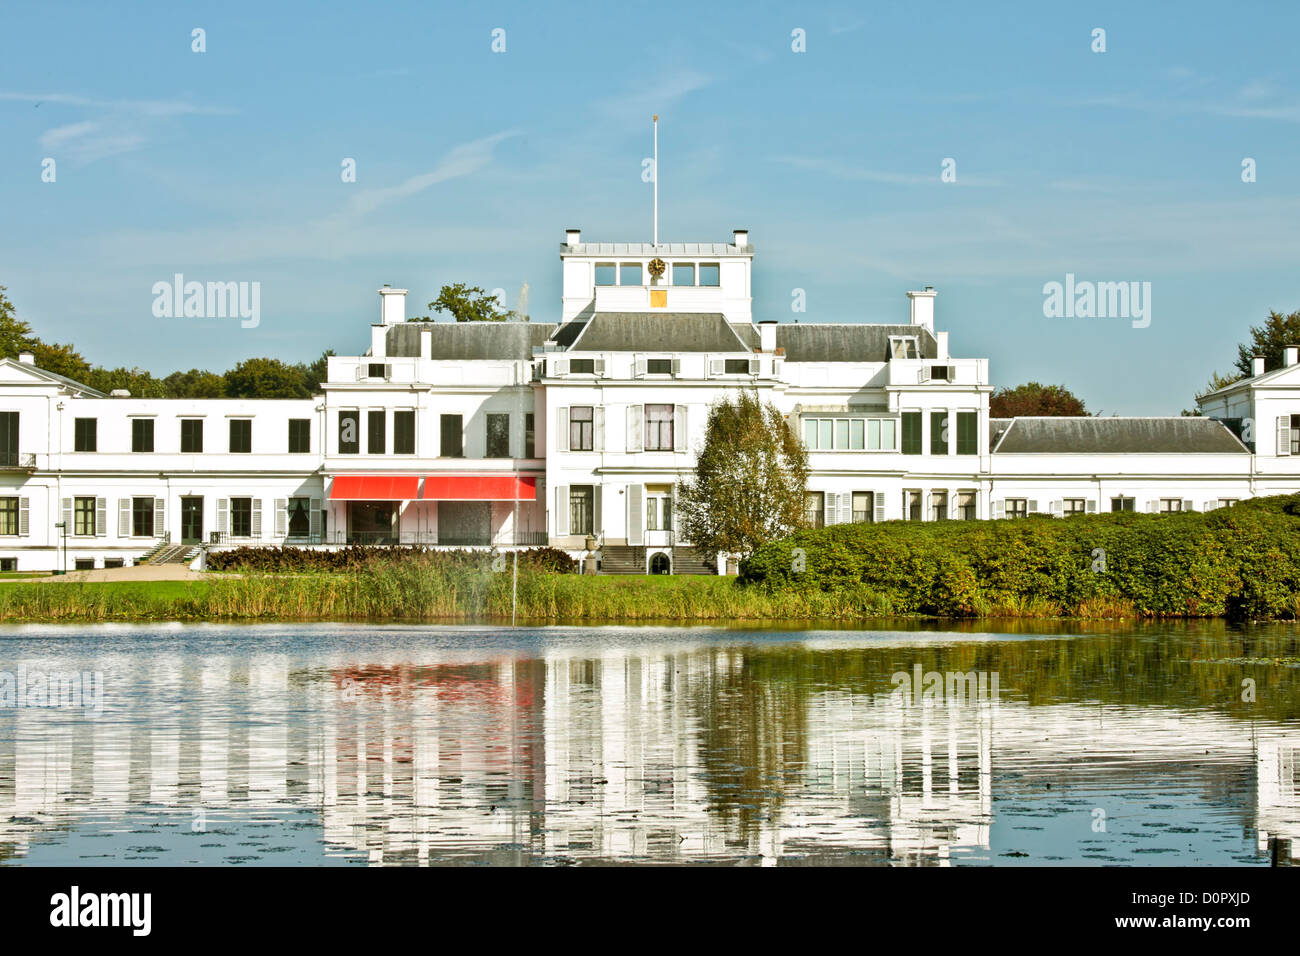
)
(1228, 502)
(83, 516)
(659, 513)
(83, 564)
(1074, 506)
(8, 515)
(1017, 507)
(374, 370)
(191, 436)
(683, 273)
(629, 273)
(299, 517)
(452, 437)
(904, 347)
(968, 433)
(85, 434)
(940, 373)
(580, 509)
(965, 506)
(350, 432)
(241, 517)
(8, 438)
(659, 366)
(142, 517)
(299, 436)
(376, 436)
(241, 436)
(862, 501)
(939, 506)
(8, 564)
(581, 428)
(1122, 504)
(605, 273)
(582, 366)
(911, 505)
(530, 435)
(114, 563)
(1170, 505)
(709, 274)
(850, 434)
(815, 508)
(498, 435)
(938, 433)
(911, 433)
(404, 432)
(142, 434)
(658, 428)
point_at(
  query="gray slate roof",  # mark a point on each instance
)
(847, 342)
(461, 341)
(997, 428)
(658, 332)
(1111, 436)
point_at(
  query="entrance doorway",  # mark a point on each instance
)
(191, 520)
(660, 563)
(371, 522)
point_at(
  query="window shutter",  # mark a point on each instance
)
(1188, 505)
(281, 517)
(634, 415)
(997, 507)
(1153, 507)
(1284, 435)
(1058, 507)
(388, 372)
(716, 366)
(1031, 506)
(878, 499)
(313, 519)
(679, 428)
(223, 515)
(561, 509)
(562, 429)
(925, 374)
(67, 517)
(123, 517)
(101, 517)
(561, 367)
(598, 427)
(1211, 505)
(677, 366)
(24, 516)
(753, 366)
(846, 509)
(639, 367)
(597, 515)
(829, 506)
(159, 517)
(599, 366)
(634, 533)
(257, 517)
(1090, 507)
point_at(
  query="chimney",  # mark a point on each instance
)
(26, 358)
(392, 305)
(767, 335)
(740, 237)
(941, 339)
(572, 237)
(923, 307)
(426, 341)
(1257, 365)
(1292, 353)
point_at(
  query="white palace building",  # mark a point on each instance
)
(576, 433)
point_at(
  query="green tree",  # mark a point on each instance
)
(1268, 340)
(316, 372)
(1033, 398)
(468, 303)
(196, 383)
(749, 482)
(266, 378)
(15, 334)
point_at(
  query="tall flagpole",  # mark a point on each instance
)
(656, 236)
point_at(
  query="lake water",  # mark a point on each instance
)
(367, 745)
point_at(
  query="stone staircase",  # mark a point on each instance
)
(165, 553)
(622, 559)
(686, 560)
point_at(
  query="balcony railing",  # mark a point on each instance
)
(524, 539)
(18, 461)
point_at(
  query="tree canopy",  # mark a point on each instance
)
(467, 303)
(1033, 398)
(749, 482)
(1268, 340)
(252, 378)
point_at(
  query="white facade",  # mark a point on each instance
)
(577, 433)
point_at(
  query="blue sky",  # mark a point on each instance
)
(225, 166)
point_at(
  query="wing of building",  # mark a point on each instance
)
(576, 433)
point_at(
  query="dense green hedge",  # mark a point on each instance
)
(1241, 562)
(356, 558)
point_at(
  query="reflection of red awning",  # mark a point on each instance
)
(479, 488)
(374, 487)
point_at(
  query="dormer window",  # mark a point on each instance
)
(629, 273)
(606, 273)
(709, 274)
(582, 366)
(683, 273)
(904, 347)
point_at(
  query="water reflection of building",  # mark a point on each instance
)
(652, 754)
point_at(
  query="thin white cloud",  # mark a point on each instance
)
(155, 108)
(835, 169)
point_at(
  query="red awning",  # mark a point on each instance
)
(479, 488)
(374, 487)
